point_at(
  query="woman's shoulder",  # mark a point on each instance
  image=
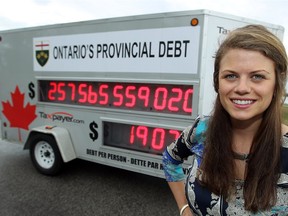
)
(196, 132)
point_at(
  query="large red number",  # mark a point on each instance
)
(158, 103)
(118, 95)
(82, 92)
(155, 137)
(186, 106)
(52, 91)
(130, 96)
(92, 96)
(61, 91)
(175, 99)
(73, 88)
(103, 94)
(143, 94)
(139, 97)
(142, 133)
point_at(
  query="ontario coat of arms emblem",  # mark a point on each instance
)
(42, 53)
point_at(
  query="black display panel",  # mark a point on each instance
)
(138, 137)
(162, 98)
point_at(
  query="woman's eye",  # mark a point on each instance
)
(230, 76)
(258, 77)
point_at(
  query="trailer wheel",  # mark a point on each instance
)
(45, 154)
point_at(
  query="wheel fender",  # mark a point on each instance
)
(62, 138)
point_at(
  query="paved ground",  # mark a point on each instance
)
(83, 189)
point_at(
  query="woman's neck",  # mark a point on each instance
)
(243, 134)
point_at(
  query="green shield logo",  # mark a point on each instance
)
(42, 56)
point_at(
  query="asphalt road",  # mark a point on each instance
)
(82, 189)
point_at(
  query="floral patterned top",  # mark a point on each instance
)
(200, 199)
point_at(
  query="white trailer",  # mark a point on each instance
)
(112, 91)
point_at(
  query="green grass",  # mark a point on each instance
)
(285, 114)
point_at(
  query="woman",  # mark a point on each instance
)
(240, 153)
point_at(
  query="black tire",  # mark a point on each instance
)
(45, 154)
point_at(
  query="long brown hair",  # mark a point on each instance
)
(263, 168)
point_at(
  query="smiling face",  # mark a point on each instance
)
(246, 83)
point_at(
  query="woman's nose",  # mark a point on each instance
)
(243, 86)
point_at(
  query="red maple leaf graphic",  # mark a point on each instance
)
(18, 115)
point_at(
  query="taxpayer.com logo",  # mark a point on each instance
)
(61, 117)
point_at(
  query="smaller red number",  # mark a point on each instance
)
(142, 133)
(175, 133)
(132, 135)
(158, 135)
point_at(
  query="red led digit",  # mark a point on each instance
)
(131, 96)
(82, 92)
(142, 133)
(175, 133)
(73, 88)
(118, 95)
(103, 94)
(52, 91)
(92, 95)
(187, 107)
(132, 135)
(158, 137)
(175, 99)
(143, 94)
(160, 98)
(61, 92)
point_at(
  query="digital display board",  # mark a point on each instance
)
(138, 137)
(149, 97)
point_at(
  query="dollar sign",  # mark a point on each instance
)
(32, 91)
(94, 134)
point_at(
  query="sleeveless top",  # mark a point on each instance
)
(200, 199)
